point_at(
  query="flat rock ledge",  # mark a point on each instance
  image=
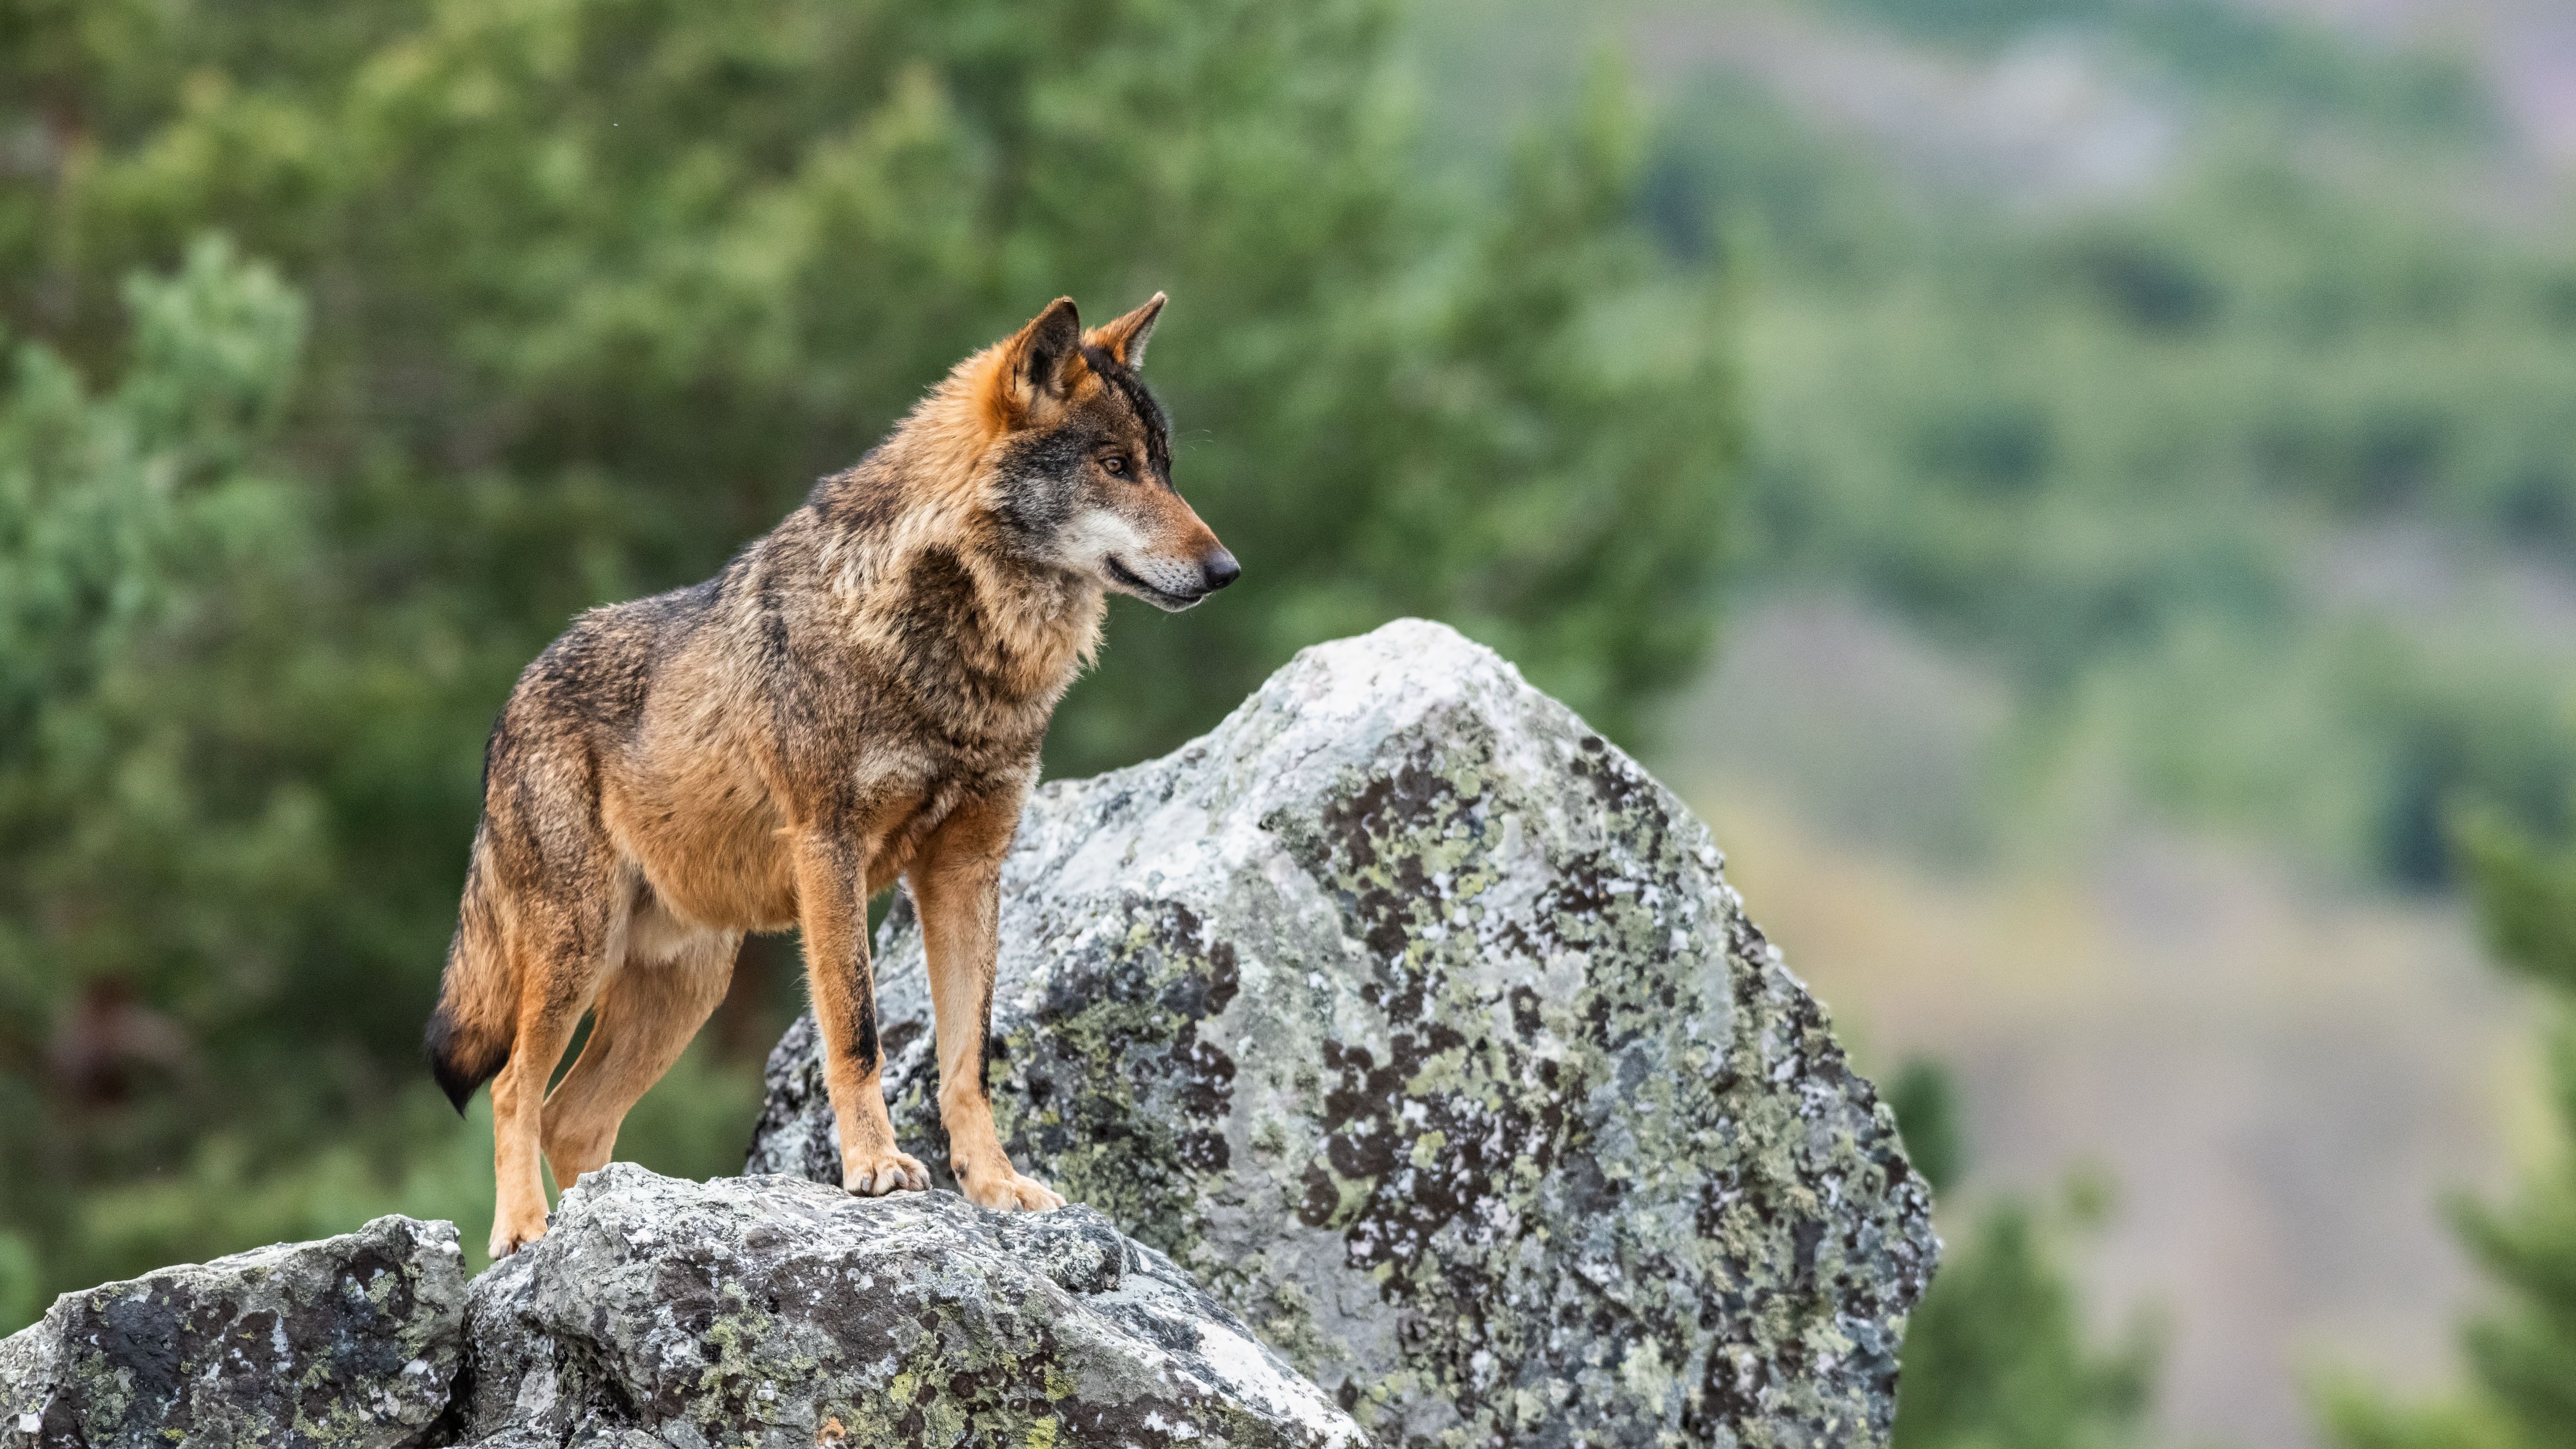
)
(781, 1313)
(1420, 1025)
(350, 1342)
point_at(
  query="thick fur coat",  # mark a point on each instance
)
(859, 696)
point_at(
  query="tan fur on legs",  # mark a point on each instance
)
(956, 884)
(648, 1010)
(832, 897)
(546, 1021)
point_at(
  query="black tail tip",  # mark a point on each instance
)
(458, 1067)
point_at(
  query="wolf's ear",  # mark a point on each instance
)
(1124, 339)
(1041, 361)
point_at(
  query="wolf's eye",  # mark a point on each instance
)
(1114, 466)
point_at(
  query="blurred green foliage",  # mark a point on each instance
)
(2521, 1353)
(626, 278)
(356, 349)
(2229, 479)
(1996, 1357)
(1925, 1098)
(2252, 480)
(1996, 1354)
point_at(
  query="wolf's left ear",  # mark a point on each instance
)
(1124, 339)
(1040, 361)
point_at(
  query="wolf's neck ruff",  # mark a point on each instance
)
(858, 697)
(986, 638)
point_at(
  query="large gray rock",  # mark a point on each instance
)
(1420, 1024)
(777, 1312)
(350, 1341)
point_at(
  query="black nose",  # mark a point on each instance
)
(1219, 569)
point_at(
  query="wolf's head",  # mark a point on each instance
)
(1080, 472)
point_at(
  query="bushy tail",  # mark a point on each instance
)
(469, 1035)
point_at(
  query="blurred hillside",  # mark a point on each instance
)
(2160, 527)
(2278, 1076)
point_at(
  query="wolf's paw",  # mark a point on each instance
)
(1009, 1191)
(510, 1236)
(889, 1172)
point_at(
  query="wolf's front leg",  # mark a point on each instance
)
(831, 896)
(956, 883)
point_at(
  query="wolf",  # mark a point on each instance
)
(858, 697)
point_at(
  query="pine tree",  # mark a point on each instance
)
(2521, 1353)
(1995, 1355)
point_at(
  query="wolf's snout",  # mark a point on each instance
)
(1218, 570)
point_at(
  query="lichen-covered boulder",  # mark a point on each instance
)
(1419, 1023)
(780, 1313)
(350, 1341)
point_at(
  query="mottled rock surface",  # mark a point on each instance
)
(350, 1341)
(1419, 1023)
(776, 1312)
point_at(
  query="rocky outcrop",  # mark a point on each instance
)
(1421, 1025)
(348, 1342)
(781, 1313)
(1401, 1012)
(661, 1314)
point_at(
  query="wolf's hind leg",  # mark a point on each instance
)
(558, 958)
(649, 1009)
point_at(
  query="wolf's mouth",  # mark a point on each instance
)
(1159, 598)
